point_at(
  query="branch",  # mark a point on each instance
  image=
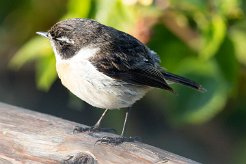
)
(31, 137)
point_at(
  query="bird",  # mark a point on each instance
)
(107, 68)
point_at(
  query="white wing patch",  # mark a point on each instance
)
(65, 39)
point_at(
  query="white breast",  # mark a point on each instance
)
(92, 86)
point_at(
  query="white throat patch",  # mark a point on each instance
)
(85, 53)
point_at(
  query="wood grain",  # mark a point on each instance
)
(31, 137)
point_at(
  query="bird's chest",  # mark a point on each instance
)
(82, 79)
(97, 89)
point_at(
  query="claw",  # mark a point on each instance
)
(79, 129)
(117, 140)
(92, 129)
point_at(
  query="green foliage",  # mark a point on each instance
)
(238, 36)
(46, 73)
(32, 50)
(211, 53)
(37, 49)
(78, 8)
(195, 107)
(213, 36)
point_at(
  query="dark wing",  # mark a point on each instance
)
(125, 58)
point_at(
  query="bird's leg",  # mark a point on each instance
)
(96, 127)
(124, 125)
(122, 138)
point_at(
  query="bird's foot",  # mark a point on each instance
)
(93, 129)
(117, 140)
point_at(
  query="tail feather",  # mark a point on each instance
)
(184, 81)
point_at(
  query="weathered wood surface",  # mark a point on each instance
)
(30, 137)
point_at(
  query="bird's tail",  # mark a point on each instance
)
(184, 81)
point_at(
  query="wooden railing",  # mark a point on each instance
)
(31, 137)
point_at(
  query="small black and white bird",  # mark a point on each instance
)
(105, 67)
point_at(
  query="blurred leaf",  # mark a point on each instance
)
(227, 63)
(190, 5)
(169, 47)
(231, 8)
(190, 106)
(114, 13)
(213, 37)
(46, 72)
(78, 8)
(238, 36)
(32, 50)
(37, 49)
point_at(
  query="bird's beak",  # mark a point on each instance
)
(44, 34)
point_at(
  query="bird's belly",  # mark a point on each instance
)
(97, 89)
